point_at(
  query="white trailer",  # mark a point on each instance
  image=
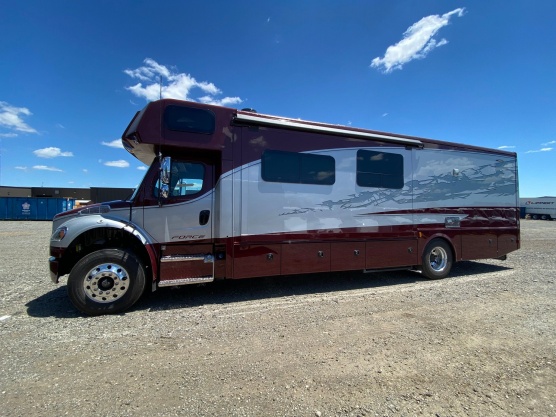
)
(541, 208)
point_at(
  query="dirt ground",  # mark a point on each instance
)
(481, 342)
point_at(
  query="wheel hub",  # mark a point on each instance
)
(106, 283)
(438, 259)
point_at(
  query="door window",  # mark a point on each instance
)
(186, 179)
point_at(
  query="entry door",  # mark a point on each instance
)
(183, 224)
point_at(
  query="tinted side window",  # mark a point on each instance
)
(298, 168)
(379, 169)
(186, 178)
(189, 119)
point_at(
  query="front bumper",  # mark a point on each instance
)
(54, 264)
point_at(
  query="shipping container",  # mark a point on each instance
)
(33, 208)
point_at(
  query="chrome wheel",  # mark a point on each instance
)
(438, 259)
(106, 283)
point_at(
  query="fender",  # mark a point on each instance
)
(425, 238)
(78, 225)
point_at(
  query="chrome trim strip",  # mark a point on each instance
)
(182, 258)
(185, 281)
(333, 130)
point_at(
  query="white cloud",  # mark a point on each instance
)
(417, 42)
(116, 143)
(45, 168)
(85, 171)
(142, 168)
(51, 153)
(21, 168)
(8, 135)
(552, 142)
(540, 150)
(11, 118)
(157, 81)
(506, 147)
(150, 70)
(227, 101)
(118, 164)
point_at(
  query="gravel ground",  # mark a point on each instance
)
(479, 343)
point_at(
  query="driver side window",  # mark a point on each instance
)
(186, 178)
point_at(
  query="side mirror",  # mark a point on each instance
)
(165, 170)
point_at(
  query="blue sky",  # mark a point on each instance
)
(73, 73)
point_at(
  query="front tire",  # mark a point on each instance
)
(437, 259)
(107, 281)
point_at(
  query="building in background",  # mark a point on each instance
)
(15, 192)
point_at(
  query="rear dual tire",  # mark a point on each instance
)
(437, 259)
(107, 281)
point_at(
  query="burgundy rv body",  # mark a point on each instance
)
(236, 194)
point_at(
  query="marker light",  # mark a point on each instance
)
(59, 234)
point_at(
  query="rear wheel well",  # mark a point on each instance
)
(103, 238)
(445, 239)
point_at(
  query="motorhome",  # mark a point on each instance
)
(233, 194)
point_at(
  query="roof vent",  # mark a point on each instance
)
(249, 109)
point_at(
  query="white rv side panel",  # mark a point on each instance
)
(432, 179)
(272, 207)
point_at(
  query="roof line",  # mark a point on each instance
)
(290, 124)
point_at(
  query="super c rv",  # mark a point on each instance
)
(236, 194)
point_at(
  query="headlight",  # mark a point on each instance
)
(59, 234)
